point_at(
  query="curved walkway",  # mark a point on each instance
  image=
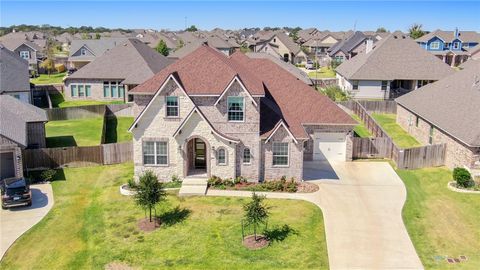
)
(362, 206)
(16, 221)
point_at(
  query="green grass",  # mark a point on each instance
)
(399, 136)
(46, 79)
(360, 129)
(58, 101)
(92, 225)
(441, 222)
(77, 132)
(324, 72)
(117, 129)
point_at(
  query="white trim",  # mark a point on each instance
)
(24, 43)
(228, 87)
(288, 156)
(435, 36)
(225, 163)
(155, 96)
(243, 110)
(195, 109)
(281, 123)
(86, 47)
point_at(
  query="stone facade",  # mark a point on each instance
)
(457, 153)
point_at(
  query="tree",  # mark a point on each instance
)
(192, 28)
(162, 47)
(381, 29)
(256, 212)
(97, 36)
(48, 65)
(150, 192)
(415, 31)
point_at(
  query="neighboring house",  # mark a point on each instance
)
(26, 50)
(23, 126)
(447, 112)
(213, 41)
(208, 114)
(153, 38)
(65, 39)
(84, 51)
(319, 44)
(282, 46)
(394, 66)
(14, 76)
(110, 76)
(348, 48)
(450, 46)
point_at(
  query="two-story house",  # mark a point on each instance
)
(211, 114)
(84, 51)
(14, 77)
(450, 46)
(282, 46)
(27, 50)
(350, 47)
(392, 67)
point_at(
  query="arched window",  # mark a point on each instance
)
(246, 155)
(221, 156)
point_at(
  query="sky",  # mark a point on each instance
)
(174, 15)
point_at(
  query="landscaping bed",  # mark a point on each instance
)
(92, 226)
(282, 185)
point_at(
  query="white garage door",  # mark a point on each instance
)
(330, 146)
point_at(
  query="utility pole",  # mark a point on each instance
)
(316, 60)
(185, 22)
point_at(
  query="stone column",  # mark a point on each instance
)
(453, 61)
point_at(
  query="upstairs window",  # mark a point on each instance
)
(236, 109)
(25, 54)
(456, 45)
(355, 85)
(435, 45)
(83, 51)
(246, 156)
(172, 106)
(280, 154)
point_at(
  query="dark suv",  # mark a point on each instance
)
(15, 191)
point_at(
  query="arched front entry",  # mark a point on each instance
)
(197, 160)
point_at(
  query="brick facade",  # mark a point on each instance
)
(96, 90)
(457, 154)
(312, 129)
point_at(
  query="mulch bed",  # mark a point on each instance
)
(250, 243)
(306, 187)
(145, 225)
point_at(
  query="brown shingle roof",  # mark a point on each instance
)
(449, 36)
(451, 104)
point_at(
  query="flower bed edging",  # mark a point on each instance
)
(451, 186)
(126, 192)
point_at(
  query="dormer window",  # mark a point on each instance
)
(83, 51)
(236, 109)
(435, 45)
(25, 54)
(456, 45)
(172, 106)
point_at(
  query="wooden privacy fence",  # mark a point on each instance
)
(373, 106)
(382, 146)
(77, 156)
(88, 111)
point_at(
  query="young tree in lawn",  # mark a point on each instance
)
(150, 192)
(162, 48)
(256, 212)
(48, 65)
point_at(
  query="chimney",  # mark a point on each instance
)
(369, 45)
(456, 32)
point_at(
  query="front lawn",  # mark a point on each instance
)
(92, 225)
(76, 132)
(58, 101)
(56, 78)
(117, 129)
(441, 222)
(360, 129)
(323, 72)
(399, 136)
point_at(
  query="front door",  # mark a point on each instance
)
(200, 161)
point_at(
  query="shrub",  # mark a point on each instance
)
(463, 177)
(175, 178)
(48, 175)
(335, 93)
(131, 183)
(240, 179)
(215, 181)
(291, 186)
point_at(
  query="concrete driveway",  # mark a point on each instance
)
(16, 221)
(362, 205)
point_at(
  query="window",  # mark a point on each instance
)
(430, 135)
(235, 108)
(73, 90)
(121, 90)
(83, 51)
(280, 154)
(155, 153)
(221, 157)
(246, 156)
(384, 85)
(417, 119)
(25, 54)
(456, 45)
(81, 92)
(355, 85)
(88, 90)
(106, 89)
(16, 96)
(113, 89)
(435, 45)
(172, 106)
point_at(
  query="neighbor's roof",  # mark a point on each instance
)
(449, 36)
(287, 66)
(395, 57)
(96, 46)
(347, 45)
(451, 104)
(14, 74)
(132, 61)
(288, 42)
(204, 71)
(212, 41)
(14, 116)
(14, 43)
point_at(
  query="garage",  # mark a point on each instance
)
(330, 146)
(7, 168)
